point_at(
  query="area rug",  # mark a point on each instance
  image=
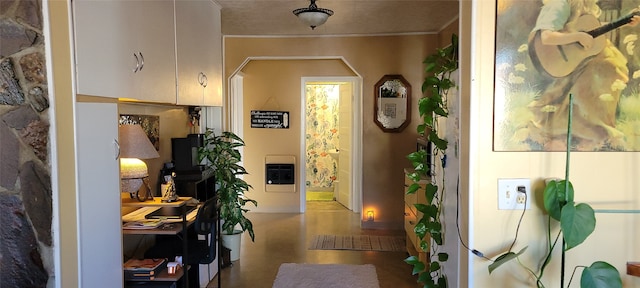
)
(358, 242)
(292, 275)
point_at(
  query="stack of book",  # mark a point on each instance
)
(143, 269)
(144, 224)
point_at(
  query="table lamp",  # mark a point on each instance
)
(134, 145)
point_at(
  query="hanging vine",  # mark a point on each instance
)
(429, 229)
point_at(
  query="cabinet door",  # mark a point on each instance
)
(155, 41)
(98, 196)
(199, 53)
(104, 60)
(125, 49)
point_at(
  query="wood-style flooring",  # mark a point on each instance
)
(284, 238)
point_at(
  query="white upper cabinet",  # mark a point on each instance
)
(125, 49)
(199, 53)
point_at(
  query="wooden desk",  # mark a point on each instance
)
(164, 229)
(173, 228)
(156, 202)
(169, 226)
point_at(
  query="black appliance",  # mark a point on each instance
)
(184, 152)
(192, 179)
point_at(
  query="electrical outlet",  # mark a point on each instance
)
(514, 194)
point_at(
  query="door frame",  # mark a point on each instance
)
(235, 117)
(356, 132)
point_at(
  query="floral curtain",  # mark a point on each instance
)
(321, 135)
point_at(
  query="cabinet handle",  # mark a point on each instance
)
(137, 63)
(117, 146)
(202, 79)
(141, 60)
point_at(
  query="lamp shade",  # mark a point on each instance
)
(134, 143)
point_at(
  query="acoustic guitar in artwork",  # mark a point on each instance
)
(561, 60)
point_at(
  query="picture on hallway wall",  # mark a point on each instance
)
(537, 67)
(270, 119)
(150, 124)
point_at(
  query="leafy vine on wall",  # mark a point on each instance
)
(429, 228)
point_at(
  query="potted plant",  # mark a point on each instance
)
(221, 154)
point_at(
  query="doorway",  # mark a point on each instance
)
(234, 119)
(322, 140)
(327, 127)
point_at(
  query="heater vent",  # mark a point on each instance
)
(279, 174)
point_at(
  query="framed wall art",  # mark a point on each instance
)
(392, 101)
(546, 50)
(150, 124)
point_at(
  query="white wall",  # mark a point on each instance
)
(211, 117)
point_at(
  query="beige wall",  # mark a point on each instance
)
(604, 180)
(266, 90)
(371, 57)
(444, 37)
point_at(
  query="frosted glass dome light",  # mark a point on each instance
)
(313, 16)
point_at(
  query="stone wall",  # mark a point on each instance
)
(26, 251)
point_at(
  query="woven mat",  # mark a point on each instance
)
(358, 242)
(291, 275)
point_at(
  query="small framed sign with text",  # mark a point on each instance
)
(270, 119)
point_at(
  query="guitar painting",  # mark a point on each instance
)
(560, 60)
(533, 80)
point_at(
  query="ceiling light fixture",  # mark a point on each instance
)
(313, 16)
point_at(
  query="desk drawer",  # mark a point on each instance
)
(410, 199)
(410, 221)
(417, 197)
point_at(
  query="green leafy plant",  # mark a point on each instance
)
(429, 229)
(222, 155)
(577, 222)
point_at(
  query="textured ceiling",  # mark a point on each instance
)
(275, 17)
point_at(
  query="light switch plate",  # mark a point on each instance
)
(509, 198)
